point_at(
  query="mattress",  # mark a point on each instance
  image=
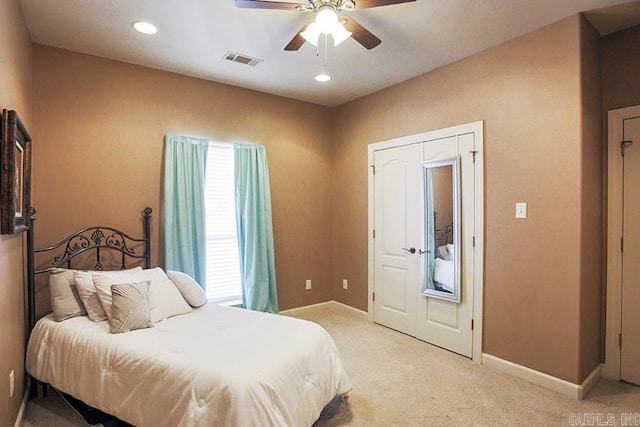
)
(216, 366)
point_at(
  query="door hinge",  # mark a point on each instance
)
(473, 241)
(620, 340)
(624, 145)
(474, 155)
(374, 234)
(622, 244)
(472, 324)
(373, 168)
(374, 296)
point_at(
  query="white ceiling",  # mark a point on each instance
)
(194, 36)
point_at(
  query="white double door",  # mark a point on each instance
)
(398, 301)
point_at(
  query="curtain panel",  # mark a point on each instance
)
(184, 210)
(255, 228)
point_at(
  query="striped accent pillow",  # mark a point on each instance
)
(130, 307)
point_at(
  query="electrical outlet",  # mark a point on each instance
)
(12, 383)
(345, 284)
(308, 284)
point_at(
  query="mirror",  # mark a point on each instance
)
(441, 229)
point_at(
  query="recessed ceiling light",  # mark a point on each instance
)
(323, 78)
(145, 27)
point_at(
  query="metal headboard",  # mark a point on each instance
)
(443, 235)
(97, 239)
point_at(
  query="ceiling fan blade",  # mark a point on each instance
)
(368, 4)
(297, 41)
(361, 34)
(260, 4)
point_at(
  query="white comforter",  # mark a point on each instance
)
(217, 366)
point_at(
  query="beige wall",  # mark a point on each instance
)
(99, 132)
(528, 92)
(591, 233)
(98, 127)
(620, 69)
(15, 94)
(443, 196)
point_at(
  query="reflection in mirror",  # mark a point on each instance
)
(441, 226)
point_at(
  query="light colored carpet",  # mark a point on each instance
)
(401, 381)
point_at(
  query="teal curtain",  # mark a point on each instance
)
(255, 229)
(431, 242)
(184, 180)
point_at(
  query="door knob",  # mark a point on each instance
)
(410, 250)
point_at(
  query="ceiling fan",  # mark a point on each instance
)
(328, 19)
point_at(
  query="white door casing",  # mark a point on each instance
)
(440, 322)
(623, 277)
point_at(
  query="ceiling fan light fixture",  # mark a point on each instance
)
(340, 34)
(312, 33)
(327, 20)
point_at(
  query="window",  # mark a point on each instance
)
(223, 260)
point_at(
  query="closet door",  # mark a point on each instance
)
(397, 248)
(444, 323)
(397, 236)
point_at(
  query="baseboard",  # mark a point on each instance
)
(590, 382)
(567, 388)
(306, 307)
(23, 408)
(360, 313)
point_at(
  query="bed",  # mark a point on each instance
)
(211, 366)
(444, 264)
(444, 270)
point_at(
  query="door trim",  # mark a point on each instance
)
(614, 234)
(477, 128)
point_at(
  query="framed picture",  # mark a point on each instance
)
(15, 174)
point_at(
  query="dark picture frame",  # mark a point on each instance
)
(15, 174)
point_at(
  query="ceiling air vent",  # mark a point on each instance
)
(242, 59)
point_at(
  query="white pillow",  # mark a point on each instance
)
(164, 298)
(103, 280)
(65, 301)
(451, 250)
(89, 295)
(443, 253)
(191, 291)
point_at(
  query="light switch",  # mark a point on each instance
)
(521, 210)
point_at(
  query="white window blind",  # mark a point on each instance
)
(223, 261)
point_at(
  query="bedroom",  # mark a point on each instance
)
(87, 114)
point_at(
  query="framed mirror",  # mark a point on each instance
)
(441, 229)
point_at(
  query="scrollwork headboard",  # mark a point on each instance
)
(91, 240)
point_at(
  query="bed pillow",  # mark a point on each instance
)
(89, 295)
(164, 298)
(443, 253)
(103, 280)
(65, 301)
(129, 307)
(191, 291)
(451, 250)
